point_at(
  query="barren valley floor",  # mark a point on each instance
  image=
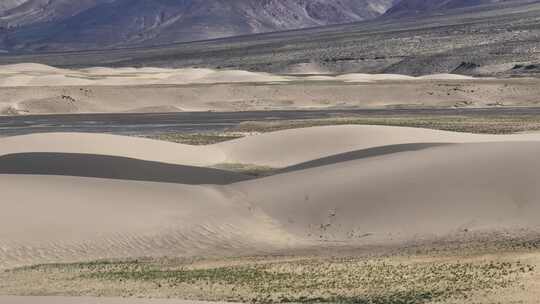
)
(120, 185)
(391, 161)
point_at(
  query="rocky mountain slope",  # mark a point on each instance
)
(498, 39)
(40, 25)
(19, 13)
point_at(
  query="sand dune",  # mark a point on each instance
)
(429, 192)
(445, 77)
(42, 75)
(38, 89)
(302, 145)
(432, 192)
(373, 77)
(360, 185)
(314, 143)
(358, 154)
(112, 145)
(29, 67)
(58, 218)
(30, 74)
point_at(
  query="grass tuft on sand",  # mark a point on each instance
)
(248, 169)
(196, 139)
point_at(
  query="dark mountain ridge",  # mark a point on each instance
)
(40, 25)
(494, 39)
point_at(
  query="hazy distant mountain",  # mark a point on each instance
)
(88, 24)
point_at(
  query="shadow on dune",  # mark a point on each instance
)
(359, 154)
(113, 167)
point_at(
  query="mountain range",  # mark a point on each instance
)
(412, 37)
(59, 25)
(41, 25)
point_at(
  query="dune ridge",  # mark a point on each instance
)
(434, 191)
(361, 185)
(32, 74)
(265, 149)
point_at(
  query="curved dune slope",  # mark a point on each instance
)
(352, 184)
(114, 167)
(291, 147)
(358, 154)
(277, 149)
(111, 145)
(439, 190)
(54, 218)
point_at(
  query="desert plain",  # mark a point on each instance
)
(346, 211)
(40, 89)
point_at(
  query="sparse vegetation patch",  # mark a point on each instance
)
(249, 169)
(306, 280)
(196, 139)
(469, 124)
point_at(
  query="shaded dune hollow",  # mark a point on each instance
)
(345, 185)
(113, 167)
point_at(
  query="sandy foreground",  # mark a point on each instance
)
(88, 300)
(69, 197)
(38, 89)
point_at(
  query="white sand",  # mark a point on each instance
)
(113, 145)
(479, 183)
(73, 218)
(312, 143)
(373, 77)
(43, 75)
(38, 89)
(432, 192)
(266, 149)
(446, 77)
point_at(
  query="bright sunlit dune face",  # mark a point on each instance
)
(368, 180)
(31, 74)
(266, 149)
